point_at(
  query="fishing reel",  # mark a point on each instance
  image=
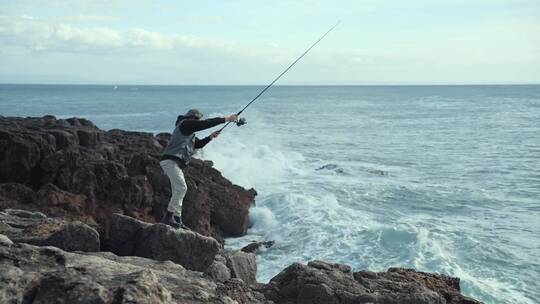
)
(241, 121)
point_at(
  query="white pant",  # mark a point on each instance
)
(178, 185)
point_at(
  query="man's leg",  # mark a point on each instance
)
(178, 190)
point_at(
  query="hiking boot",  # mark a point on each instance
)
(168, 219)
(178, 220)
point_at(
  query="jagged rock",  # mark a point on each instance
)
(234, 264)
(243, 265)
(242, 293)
(215, 206)
(35, 228)
(218, 270)
(447, 287)
(72, 169)
(254, 246)
(322, 282)
(30, 274)
(129, 236)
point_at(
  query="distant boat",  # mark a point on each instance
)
(115, 87)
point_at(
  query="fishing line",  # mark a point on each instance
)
(242, 121)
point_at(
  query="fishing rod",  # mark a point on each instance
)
(242, 121)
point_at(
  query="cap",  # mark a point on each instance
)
(194, 113)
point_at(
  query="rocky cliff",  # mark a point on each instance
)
(71, 169)
(78, 207)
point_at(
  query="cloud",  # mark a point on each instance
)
(38, 35)
(88, 19)
(496, 50)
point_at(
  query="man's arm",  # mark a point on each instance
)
(199, 143)
(190, 126)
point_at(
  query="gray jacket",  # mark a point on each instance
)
(181, 146)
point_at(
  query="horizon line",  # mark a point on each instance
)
(276, 85)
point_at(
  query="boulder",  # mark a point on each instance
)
(129, 236)
(218, 270)
(446, 286)
(322, 282)
(31, 274)
(253, 247)
(36, 228)
(242, 265)
(234, 264)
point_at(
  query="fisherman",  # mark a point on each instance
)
(177, 154)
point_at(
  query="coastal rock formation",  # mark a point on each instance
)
(320, 282)
(35, 228)
(64, 172)
(30, 274)
(131, 237)
(69, 168)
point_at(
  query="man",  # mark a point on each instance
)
(178, 153)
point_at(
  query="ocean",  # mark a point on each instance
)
(437, 178)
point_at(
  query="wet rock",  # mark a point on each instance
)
(30, 274)
(213, 205)
(377, 172)
(35, 228)
(255, 246)
(327, 167)
(331, 167)
(129, 236)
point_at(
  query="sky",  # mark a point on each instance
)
(238, 42)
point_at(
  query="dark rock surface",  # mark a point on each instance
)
(30, 274)
(69, 168)
(35, 228)
(322, 282)
(256, 246)
(131, 237)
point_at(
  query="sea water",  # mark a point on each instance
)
(438, 178)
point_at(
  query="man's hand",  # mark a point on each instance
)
(214, 134)
(231, 118)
